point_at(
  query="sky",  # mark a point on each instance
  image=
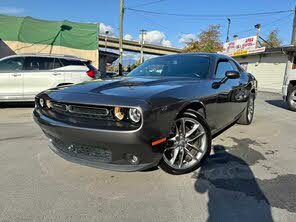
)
(165, 30)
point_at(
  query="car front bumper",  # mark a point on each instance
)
(105, 149)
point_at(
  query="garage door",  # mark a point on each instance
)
(269, 70)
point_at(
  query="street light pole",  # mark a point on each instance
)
(121, 37)
(258, 27)
(228, 29)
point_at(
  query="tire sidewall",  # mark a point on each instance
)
(251, 100)
(292, 91)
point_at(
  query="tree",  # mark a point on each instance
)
(273, 39)
(208, 41)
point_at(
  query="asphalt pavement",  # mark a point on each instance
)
(250, 176)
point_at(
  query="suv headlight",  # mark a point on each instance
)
(44, 103)
(41, 102)
(135, 115)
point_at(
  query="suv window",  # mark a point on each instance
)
(57, 63)
(12, 64)
(222, 68)
(71, 62)
(39, 63)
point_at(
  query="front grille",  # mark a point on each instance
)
(82, 151)
(82, 111)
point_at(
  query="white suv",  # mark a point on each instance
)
(25, 75)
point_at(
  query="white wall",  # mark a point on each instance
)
(269, 70)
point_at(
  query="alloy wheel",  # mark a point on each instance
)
(187, 144)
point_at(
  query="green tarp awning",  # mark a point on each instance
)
(58, 33)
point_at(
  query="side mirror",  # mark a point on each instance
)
(228, 75)
(232, 75)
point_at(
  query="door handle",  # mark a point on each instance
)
(16, 74)
(56, 74)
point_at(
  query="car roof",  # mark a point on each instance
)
(60, 56)
(208, 54)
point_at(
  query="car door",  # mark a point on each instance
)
(226, 105)
(242, 92)
(11, 79)
(40, 74)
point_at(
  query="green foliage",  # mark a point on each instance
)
(274, 39)
(208, 41)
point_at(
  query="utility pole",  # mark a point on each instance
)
(120, 36)
(228, 29)
(143, 32)
(293, 39)
(258, 27)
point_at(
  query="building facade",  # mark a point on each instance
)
(269, 67)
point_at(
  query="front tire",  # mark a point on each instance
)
(248, 114)
(188, 145)
(292, 99)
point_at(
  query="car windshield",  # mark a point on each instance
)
(177, 66)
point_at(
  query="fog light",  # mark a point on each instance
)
(133, 159)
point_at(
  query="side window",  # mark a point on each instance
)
(222, 68)
(56, 63)
(12, 64)
(234, 66)
(39, 63)
(244, 66)
(294, 63)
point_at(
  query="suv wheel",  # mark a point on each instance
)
(292, 99)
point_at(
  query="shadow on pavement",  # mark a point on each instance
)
(233, 192)
(278, 103)
(17, 105)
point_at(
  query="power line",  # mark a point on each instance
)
(209, 15)
(152, 22)
(149, 3)
(265, 25)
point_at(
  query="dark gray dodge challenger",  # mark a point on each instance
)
(165, 112)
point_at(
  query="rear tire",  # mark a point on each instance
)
(190, 152)
(292, 99)
(248, 114)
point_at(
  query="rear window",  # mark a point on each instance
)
(71, 62)
(90, 66)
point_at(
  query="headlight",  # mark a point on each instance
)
(41, 102)
(119, 113)
(135, 115)
(48, 104)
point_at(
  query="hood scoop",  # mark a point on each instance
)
(117, 84)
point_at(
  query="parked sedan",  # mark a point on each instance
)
(165, 112)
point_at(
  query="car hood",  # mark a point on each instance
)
(138, 88)
(127, 91)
